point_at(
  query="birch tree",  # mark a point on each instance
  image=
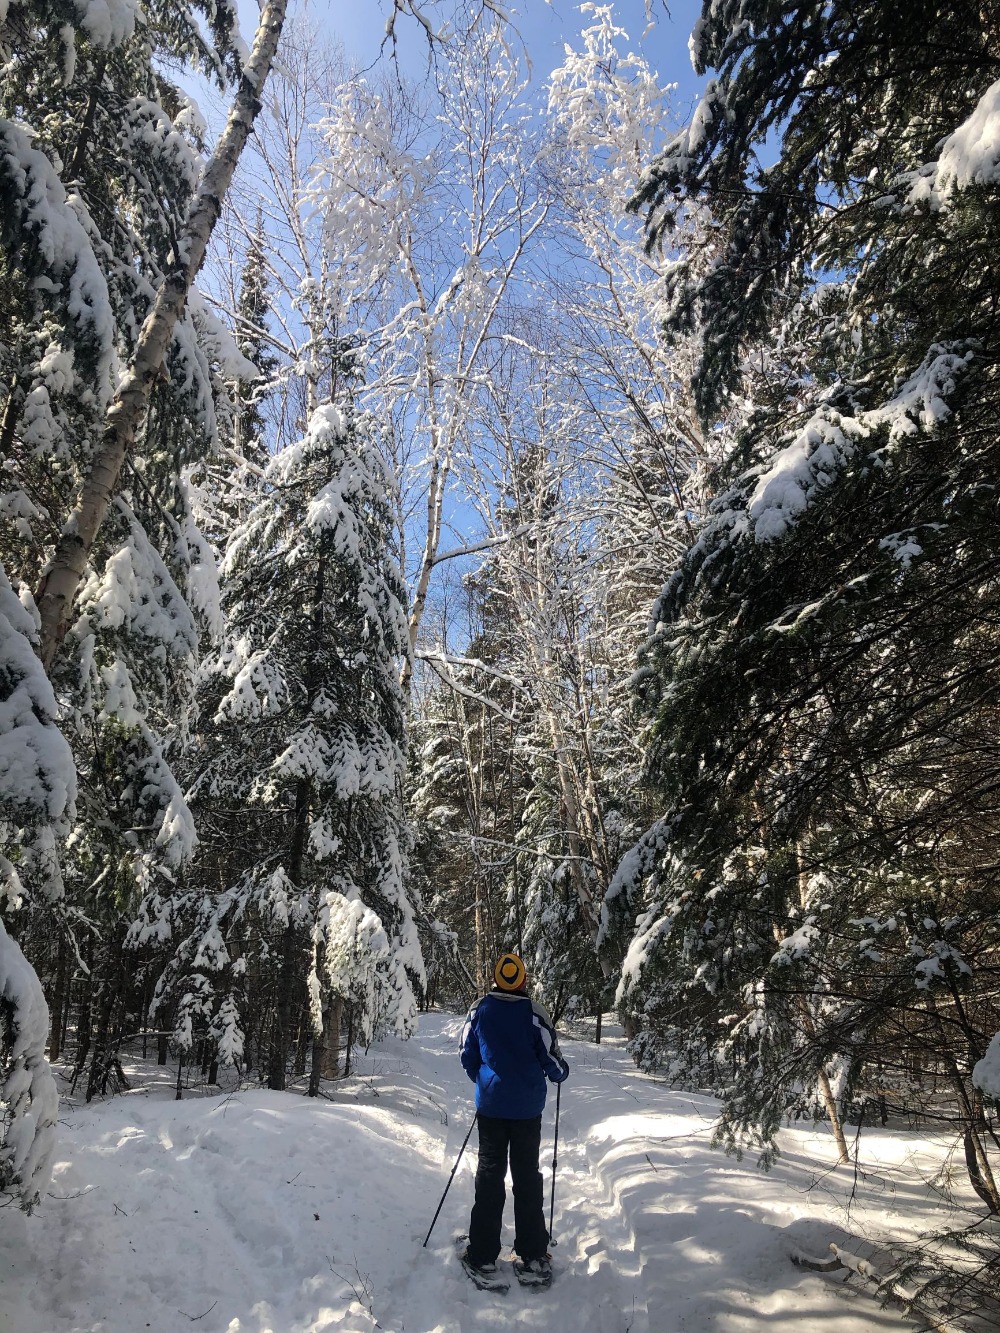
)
(57, 591)
(395, 197)
(585, 463)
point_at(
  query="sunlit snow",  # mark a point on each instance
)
(265, 1212)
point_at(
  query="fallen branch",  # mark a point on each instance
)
(802, 1260)
(885, 1284)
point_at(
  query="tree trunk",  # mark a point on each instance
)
(67, 1003)
(805, 1014)
(326, 1045)
(482, 984)
(110, 1015)
(315, 1066)
(281, 1028)
(148, 987)
(833, 1112)
(83, 1022)
(302, 1042)
(980, 1173)
(9, 420)
(59, 1000)
(332, 1019)
(60, 584)
(87, 124)
(350, 1041)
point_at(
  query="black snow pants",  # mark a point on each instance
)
(522, 1139)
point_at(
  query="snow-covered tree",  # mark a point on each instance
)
(401, 187)
(583, 463)
(817, 904)
(530, 774)
(101, 158)
(254, 341)
(300, 755)
(607, 111)
(37, 791)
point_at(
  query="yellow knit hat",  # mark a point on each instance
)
(509, 973)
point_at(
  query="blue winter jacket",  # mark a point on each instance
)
(509, 1048)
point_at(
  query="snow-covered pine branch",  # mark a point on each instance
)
(37, 792)
(29, 1100)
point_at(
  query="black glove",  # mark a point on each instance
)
(563, 1075)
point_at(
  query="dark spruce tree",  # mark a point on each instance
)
(814, 916)
(255, 343)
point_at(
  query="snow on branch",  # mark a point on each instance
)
(30, 1102)
(817, 452)
(37, 774)
(986, 1072)
(487, 544)
(475, 840)
(439, 664)
(969, 156)
(887, 1285)
(474, 663)
(48, 229)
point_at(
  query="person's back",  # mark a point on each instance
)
(509, 1048)
(517, 1048)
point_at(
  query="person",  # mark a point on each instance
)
(509, 1049)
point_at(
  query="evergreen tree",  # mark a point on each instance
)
(37, 791)
(253, 341)
(814, 915)
(303, 740)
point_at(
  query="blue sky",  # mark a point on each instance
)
(544, 28)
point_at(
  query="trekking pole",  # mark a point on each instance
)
(450, 1179)
(555, 1160)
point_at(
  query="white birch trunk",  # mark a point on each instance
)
(61, 582)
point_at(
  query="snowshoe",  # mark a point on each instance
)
(534, 1272)
(487, 1277)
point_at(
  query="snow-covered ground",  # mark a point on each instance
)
(262, 1212)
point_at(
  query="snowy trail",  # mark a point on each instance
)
(592, 1241)
(270, 1213)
